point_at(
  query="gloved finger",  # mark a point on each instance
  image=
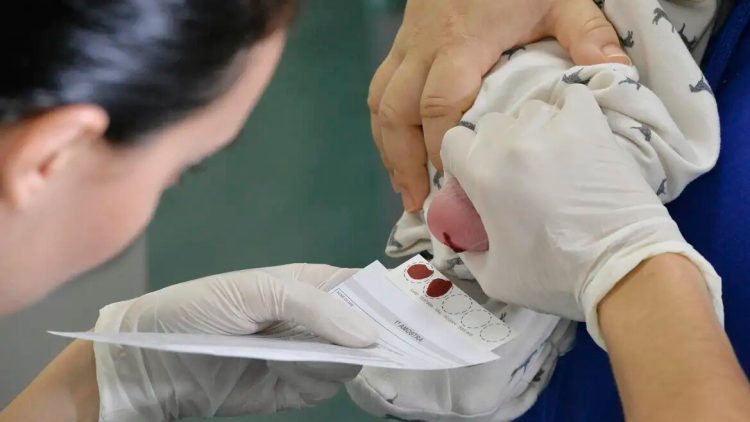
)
(451, 88)
(310, 388)
(586, 33)
(321, 276)
(578, 102)
(323, 371)
(401, 131)
(324, 277)
(454, 151)
(320, 312)
(459, 142)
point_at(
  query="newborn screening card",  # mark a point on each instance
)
(423, 321)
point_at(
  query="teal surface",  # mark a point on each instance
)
(305, 184)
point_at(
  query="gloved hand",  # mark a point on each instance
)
(566, 210)
(140, 384)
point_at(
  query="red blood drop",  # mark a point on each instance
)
(453, 219)
(419, 271)
(438, 287)
(450, 244)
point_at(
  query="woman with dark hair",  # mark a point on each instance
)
(104, 104)
(562, 208)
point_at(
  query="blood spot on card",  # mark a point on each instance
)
(438, 287)
(419, 271)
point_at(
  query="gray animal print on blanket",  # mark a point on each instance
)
(509, 53)
(702, 85)
(645, 131)
(627, 42)
(660, 14)
(629, 81)
(575, 78)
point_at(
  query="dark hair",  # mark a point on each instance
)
(148, 63)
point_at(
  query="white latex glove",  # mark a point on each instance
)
(565, 207)
(148, 385)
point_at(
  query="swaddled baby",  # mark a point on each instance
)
(661, 111)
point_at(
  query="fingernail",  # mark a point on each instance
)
(615, 54)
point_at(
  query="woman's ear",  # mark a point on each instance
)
(36, 150)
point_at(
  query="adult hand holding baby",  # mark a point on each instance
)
(435, 68)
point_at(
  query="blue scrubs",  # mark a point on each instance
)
(713, 214)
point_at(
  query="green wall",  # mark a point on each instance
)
(305, 184)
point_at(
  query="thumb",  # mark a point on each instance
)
(460, 141)
(455, 149)
(322, 314)
(586, 33)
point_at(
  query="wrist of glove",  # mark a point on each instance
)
(565, 207)
(638, 243)
(141, 384)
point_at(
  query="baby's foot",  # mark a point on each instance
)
(453, 219)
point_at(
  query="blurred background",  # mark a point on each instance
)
(305, 184)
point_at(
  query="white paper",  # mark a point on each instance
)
(424, 322)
